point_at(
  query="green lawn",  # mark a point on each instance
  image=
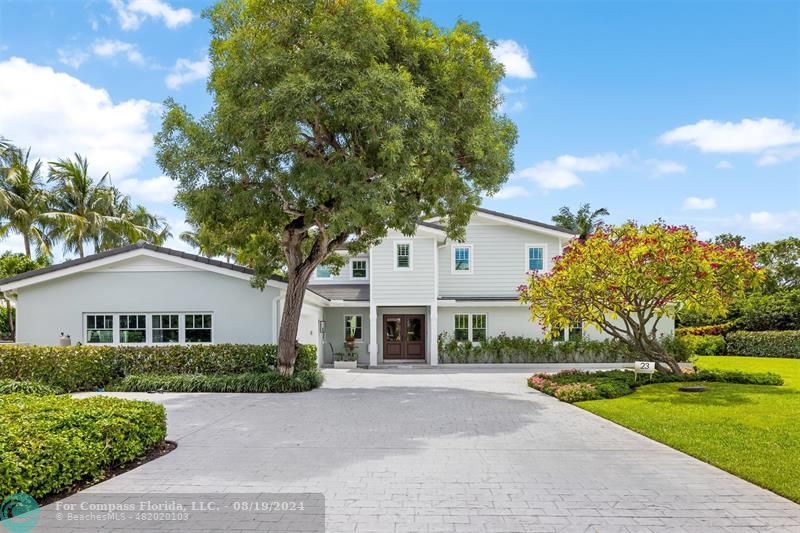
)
(752, 431)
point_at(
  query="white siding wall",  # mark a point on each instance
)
(335, 333)
(513, 321)
(241, 314)
(499, 260)
(415, 286)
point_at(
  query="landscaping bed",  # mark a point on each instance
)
(250, 382)
(48, 444)
(82, 368)
(576, 385)
(748, 430)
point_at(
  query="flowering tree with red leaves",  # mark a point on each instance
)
(625, 279)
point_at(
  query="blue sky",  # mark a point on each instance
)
(687, 111)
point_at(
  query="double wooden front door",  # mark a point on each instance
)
(404, 337)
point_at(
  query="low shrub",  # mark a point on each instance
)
(301, 381)
(705, 344)
(715, 329)
(77, 368)
(49, 443)
(506, 349)
(616, 383)
(764, 343)
(577, 392)
(10, 386)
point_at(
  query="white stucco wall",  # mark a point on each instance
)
(241, 314)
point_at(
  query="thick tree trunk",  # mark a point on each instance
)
(290, 321)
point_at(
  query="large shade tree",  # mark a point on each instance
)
(334, 120)
(624, 280)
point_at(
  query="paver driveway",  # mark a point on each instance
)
(446, 450)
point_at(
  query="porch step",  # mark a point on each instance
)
(401, 365)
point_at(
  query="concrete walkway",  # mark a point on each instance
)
(458, 450)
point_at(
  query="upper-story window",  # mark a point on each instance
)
(323, 272)
(358, 269)
(402, 256)
(534, 256)
(462, 258)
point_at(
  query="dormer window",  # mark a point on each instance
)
(462, 258)
(402, 255)
(323, 272)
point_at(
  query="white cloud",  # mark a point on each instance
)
(159, 190)
(58, 114)
(111, 48)
(514, 58)
(779, 155)
(72, 57)
(749, 135)
(134, 12)
(666, 167)
(773, 222)
(694, 202)
(186, 71)
(724, 165)
(511, 191)
(562, 172)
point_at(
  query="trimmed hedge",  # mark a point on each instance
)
(302, 381)
(764, 343)
(716, 329)
(77, 368)
(616, 383)
(49, 443)
(505, 349)
(10, 386)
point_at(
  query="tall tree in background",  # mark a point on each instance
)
(333, 121)
(583, 222)
(201, 240)
(24, 201)
(127, 223)
(12, 264)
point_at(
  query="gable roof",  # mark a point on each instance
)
(522, 220)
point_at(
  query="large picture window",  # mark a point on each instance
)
(132, 329)
(198, 328)
(99, 329)
(166, 329)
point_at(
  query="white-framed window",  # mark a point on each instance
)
(461, 327)
(403, 259)
(166, 329)
(99, 329)
(535, 257)
(358, 269)
(353, 327)
(323, 272)
(462, 259)
(133, 329)
(573, 333)
(470, 327)
(197, 328)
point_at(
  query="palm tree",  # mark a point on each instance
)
(200, 240)
(23, 200)
(81, 208)
(127, 224)
(584, 222)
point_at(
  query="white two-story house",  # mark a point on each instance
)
(394, 301)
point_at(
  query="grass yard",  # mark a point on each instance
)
(752, 431)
